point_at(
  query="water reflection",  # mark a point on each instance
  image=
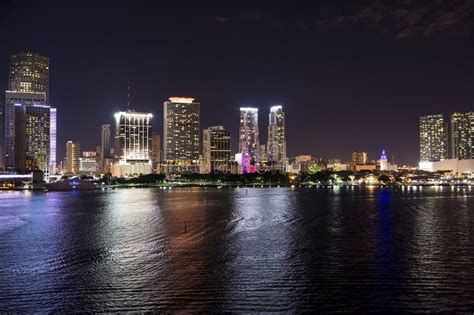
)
(242, 250)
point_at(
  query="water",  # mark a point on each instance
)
(341, 249)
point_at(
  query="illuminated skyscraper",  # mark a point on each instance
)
(181, 135)
(32, 137)
(133, 140)
(249, 143)
(73, 154)
(28, 85)
(276, 144)
(29, 72)
(52, 141)
(14, 100)
(216, 148)
(433, 138)
(462, 135)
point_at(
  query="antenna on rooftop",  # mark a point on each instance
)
(128, 94)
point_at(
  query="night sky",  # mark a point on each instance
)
(351, 75)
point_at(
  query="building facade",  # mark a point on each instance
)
(32, 137)
(105, 137)
(433, 138)
(29, 72)
(133, 140)
(359, 158)
(249, 143)
(52, 141)
(276, 144)
(26, 99)
(216, 149)
(181, 135)
(462, 136)
(73, 154)
(156, 152)
(13, 101)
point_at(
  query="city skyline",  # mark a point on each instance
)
(350, 88)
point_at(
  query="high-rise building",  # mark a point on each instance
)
(12, 101)
(155, 152)
(181, 135)
(216, 148)
(133, 140)
(276, 144)
(105, 137)
(52, 141)
(433, 138)
(249, 143)
(462, 136)
(359, 158)
(73, 153)
(29, 72)
(28, 85)
(32, 137)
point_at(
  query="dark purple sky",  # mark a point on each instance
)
(351, 75)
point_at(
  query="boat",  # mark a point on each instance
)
(73, 183)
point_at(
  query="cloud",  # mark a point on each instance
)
(412, 19)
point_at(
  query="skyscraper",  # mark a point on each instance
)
(276, 144)
(29, 72)
(249, 143)
(216, 148)
(73, 154)
(462, 135)
(14, 100)
(32, 137)
(433, 138)
(105, 141)
(181, 135)
(52, 141)
(28, 86)
(133, 140)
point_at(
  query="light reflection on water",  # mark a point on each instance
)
(247, 249)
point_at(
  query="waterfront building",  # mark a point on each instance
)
(383, 161)
(105, 146)
(216, 149)
(28, 85)
(181, 135)
(32, 137)
(87, 164)
(359, 158)
(276, 144)
(462, 136)
(249, 143)
(52, 141)
(433, 138)
(156, 152)
(73, 150)
(133, 140)
(12, 101)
